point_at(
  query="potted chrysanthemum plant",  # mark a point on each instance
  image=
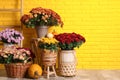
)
(10, 37)
(16, 60)
(41, 19)
(49, 50)
(67, 59)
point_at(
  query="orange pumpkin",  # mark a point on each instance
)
(54, 32)
(35, 71)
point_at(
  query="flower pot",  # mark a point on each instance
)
(8, 45)
(17, 70)
(48, 57)
(67, 63)
(48, 61)
(41, 31)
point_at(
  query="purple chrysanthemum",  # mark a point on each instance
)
(11, 36)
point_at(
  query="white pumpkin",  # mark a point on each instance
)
(50, 35)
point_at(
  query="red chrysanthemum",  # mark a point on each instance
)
(68, 41)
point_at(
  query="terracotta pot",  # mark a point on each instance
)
(67, 63)
(41, 31)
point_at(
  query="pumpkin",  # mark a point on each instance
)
(34, 71)
(54, 32)
(50, 35)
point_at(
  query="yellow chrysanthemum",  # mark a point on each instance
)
(48, 40)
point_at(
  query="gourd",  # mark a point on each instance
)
(34, 71)
(50, 35)
(55, 30)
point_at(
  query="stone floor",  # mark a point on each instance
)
(81, 75)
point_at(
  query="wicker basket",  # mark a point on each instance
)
(49, 57)
(17, 70)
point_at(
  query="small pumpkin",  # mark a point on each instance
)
(50, 35)
(35, 71)
(54, 32)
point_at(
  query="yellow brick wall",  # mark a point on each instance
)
(97, 20)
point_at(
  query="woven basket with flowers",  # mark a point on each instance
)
(16, 61)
